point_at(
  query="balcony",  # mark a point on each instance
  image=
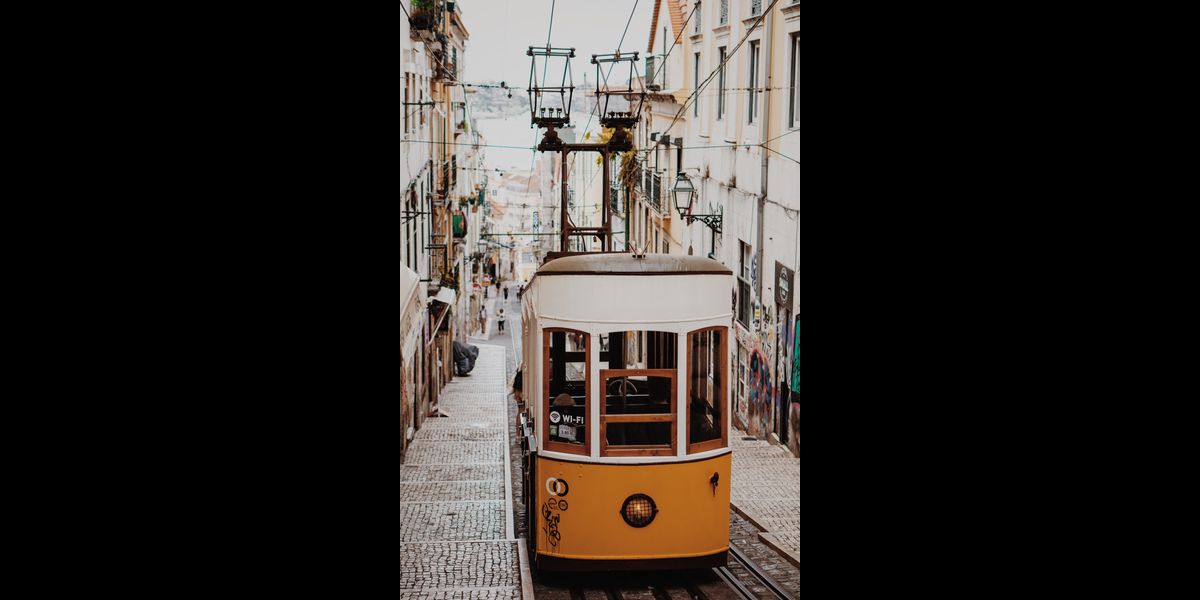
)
(425, 18)
(652, 190)
(656, 72)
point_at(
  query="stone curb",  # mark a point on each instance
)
(770, 540)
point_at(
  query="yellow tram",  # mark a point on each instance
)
(626, 427)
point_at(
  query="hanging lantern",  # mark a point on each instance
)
(683, 191)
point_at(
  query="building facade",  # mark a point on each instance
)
(441, 195)
(723, 107)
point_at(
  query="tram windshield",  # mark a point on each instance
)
(638, 378)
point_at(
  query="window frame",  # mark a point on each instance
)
(721, 54)
(547, 443)
(722, 351)
(672, 417)
(794, 97)
(743, 373)
(755, 53)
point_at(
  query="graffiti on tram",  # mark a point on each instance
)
(557, 488)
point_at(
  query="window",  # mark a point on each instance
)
(696, 12)
(405, 107)
(753, 79)
(566, 364)
(741, 375)
(724, 11)
(794, 89)
(707, 363)
(746, 260)
(638, 415)
(744, 299)
(755, 7)
(696, 86)
(721, 83)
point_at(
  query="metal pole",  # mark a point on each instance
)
(566, 228)
(607, 243)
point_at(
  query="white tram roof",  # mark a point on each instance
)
(598, 292)
(625, 264)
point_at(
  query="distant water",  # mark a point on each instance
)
(516, 131)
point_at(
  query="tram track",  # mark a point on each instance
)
(718, 583)
(758, 573)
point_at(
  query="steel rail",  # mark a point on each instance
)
(733, 582)
(755, 570)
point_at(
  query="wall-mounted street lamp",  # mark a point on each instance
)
(685, 195)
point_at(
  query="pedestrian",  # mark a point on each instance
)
(482, 320)
(506, 294)
(500, 319)
(518, 390)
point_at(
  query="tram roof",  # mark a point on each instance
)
(626, 264)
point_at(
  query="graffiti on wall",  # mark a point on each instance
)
(758, 395)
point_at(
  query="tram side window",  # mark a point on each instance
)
(707, 360)
(566, 390)
(638, 382)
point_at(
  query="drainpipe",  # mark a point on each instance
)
(766, 119)
(768, 32)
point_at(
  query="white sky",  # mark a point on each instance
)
(502, 30)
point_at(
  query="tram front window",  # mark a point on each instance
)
(638, 415)
(566, 390)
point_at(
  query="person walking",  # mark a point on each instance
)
(482, 320)
(506, 294)
(500, 319)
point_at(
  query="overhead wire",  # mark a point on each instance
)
(596, 106)
(663, 64)
(721, 66)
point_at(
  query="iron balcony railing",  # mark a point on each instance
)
(755, 7)
(652, 190)
(724, 11)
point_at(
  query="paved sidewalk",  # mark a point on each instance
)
(456, 529)
(766, 491)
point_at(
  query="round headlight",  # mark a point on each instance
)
(638, 510)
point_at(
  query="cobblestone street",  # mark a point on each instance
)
(766, 492)
(456, 532)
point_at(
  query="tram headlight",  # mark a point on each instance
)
(638, 510)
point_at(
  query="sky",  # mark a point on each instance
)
(502, 30)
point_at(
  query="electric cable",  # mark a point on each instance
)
(721, 66)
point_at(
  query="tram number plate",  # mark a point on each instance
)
(566, 432)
